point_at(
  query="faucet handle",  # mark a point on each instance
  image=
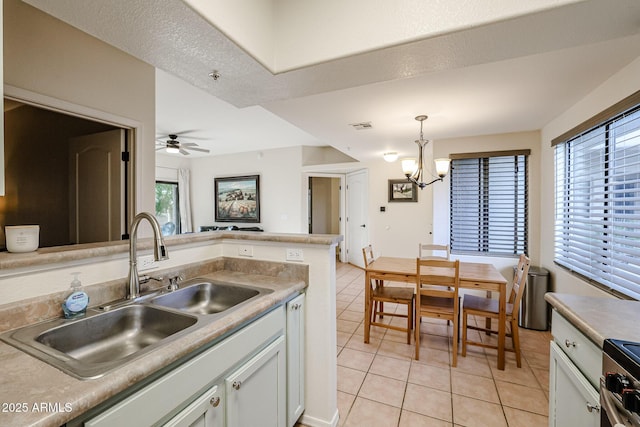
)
(145, 279)
(173, 282)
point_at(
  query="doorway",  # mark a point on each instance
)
(38, 166)
(325, 207)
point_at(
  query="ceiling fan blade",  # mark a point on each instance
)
(188, 144)
(160, 148)
(184, 152)
(187, 132)
(198, 138)
(203, 150)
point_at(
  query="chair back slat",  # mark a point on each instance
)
(519, 283)
(437, 277)
(367, 253)
(432, 251)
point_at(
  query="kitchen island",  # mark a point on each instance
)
(36, 393)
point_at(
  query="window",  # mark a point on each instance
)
(489, 203)
(597, 203)
(167, 207)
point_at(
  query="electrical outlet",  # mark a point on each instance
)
(146, 262)
(245, 251)
(295, 254)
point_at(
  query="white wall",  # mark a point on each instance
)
(398, 230)
(619, 86)
(280, 187)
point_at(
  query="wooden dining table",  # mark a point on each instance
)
(473, 275)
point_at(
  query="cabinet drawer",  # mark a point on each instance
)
(580, 349)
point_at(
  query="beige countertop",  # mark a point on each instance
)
(599, 318)
(53, 255)
(28, 384)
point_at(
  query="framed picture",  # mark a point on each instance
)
(237, 199)
(402, 190)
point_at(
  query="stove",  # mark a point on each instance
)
(620, 384)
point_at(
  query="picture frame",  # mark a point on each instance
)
(237, 198)
(402, 190)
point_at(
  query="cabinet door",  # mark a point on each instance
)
(295, 359)
(572, 399)
(206, 411)
(256, 392)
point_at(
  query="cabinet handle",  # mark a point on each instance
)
(295, 307)
(215, 401)
(592, 408)
(236, 385)
(568, 343)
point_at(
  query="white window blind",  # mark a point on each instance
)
(489, 204)
(597, 203)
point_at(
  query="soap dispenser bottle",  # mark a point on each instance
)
(75, 305)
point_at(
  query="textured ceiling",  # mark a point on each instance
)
(506, 76)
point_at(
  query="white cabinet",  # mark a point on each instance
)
(206, 411)
(256, 392)
(255, 377)
(575, 362)
(295, 358)
(572, 399)
(177, 396)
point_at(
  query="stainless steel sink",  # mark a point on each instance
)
(90, 346)
(206, 297)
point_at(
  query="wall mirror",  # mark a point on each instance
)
(68, 173)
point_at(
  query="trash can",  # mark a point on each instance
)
(533, 308)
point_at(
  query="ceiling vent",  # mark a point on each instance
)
(361, 126)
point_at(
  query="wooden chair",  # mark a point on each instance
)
(380, 294)
(488, 308)
(437, 284)
(427, 251)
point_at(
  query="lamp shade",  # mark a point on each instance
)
(409, 166)
(442, 167)
(172, 150)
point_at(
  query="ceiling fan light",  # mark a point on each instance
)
(391, 156)
(173, 150)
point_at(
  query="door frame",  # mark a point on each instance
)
(305, 206)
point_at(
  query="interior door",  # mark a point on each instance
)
(357, 218)
(96, 179)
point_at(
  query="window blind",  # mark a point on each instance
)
(597, 203)
(489, 205)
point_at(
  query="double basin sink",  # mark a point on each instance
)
(103, 340)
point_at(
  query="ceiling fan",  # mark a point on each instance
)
(173, 146)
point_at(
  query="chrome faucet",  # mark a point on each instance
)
(159, 251)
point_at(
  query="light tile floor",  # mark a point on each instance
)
(379, 384)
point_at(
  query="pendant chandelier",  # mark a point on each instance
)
(414, 170)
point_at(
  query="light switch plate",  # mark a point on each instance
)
(146, 262)
(295, 254)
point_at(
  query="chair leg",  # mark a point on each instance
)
(455, 342)
(409, 320)
(417, 332)
(380, 284)
(464, 334)
(516, 341)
